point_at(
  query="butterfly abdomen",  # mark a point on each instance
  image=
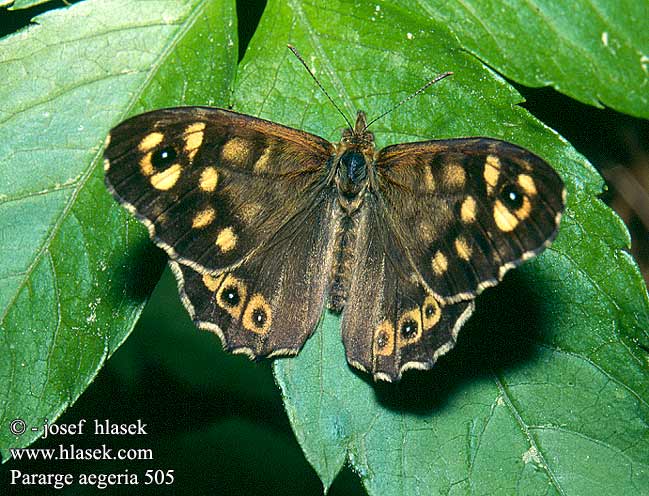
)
(341, 269)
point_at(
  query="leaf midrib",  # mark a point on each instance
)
(87, 173)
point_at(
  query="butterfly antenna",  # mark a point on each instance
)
(420, 90)
(299, 57)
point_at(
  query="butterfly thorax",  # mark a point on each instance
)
(354, 155)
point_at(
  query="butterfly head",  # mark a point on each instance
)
(359, 136)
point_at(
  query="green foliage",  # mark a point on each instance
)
(596, 52)
(547, 390)
(76, 269)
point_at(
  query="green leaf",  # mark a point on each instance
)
(547, 390)
(591, 50)
(22, 4)
(75, 269)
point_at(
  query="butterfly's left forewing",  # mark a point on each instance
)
(462, 212)
(442, 221)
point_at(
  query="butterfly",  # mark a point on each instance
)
(264, 225)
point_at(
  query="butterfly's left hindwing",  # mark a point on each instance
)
(392, 323)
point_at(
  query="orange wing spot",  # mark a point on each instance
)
(211, 282)
(409, 330)
(258, 316)
(231, 296)
(431, 312)
(384, 339)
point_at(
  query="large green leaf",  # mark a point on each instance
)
(21, 4)
(591, 50)
(547, 392)
(75, 270)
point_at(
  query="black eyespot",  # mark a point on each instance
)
(230, 296)
(408, 329)
(429, 311)
(382, 340)
(512, 197)
(259, 317)
(163, 158)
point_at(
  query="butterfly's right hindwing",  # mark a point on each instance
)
(271, 304)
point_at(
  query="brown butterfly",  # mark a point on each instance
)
(265, 224)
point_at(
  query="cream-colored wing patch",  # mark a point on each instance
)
(194, 134)
(463, 248)
(454, 176)
(203, 218)
(491, 174)
(226, 240)
(429, 180)
(440, 263)
(507, 220)
(468, 210)
(150, 141)
(236, 150)
(146, 166)
(209, 179)
(166, 179)
(261, 165)
(526, 182)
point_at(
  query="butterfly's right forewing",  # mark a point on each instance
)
(212, 185)
(244, 209)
